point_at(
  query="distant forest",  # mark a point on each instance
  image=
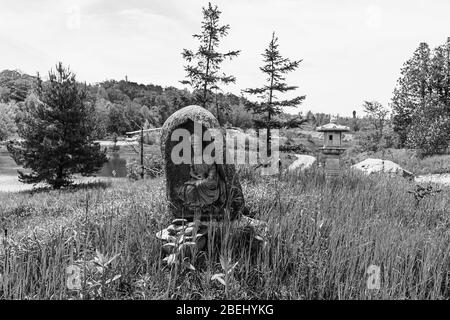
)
(122, 106)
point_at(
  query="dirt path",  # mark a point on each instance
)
(435, 178)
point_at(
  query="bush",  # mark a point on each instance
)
(430, 135)
(372, 142)
(153, 167)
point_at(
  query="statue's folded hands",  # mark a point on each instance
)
(204, 188)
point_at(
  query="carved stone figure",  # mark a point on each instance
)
(202, 190)
(205, 187)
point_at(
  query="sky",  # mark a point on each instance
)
(352, 51)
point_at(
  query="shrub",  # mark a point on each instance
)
(153, 167)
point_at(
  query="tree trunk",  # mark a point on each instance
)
(59, 181)
(205, 85)
(142, 153)
(218, 111)
(269, 113)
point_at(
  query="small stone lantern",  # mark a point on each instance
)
(332, 146)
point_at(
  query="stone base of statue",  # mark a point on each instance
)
(182, 240)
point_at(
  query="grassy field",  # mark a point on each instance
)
(322, 238)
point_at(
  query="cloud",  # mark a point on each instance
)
(352, 50)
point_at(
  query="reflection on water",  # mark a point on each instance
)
(117, 163)
(9, 181)
(115, 167)
(7, 165)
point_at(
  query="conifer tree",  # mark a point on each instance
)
(275, 68)
(203, 69)
(413, 89)
(55, 126)
(421, 102)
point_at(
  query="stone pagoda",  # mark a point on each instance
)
(332, 146)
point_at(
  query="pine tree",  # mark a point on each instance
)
(56, 127)
(275, 67)
(440, 72)
(413, 89)
(430, 129)
(421, 101)
(204, 65)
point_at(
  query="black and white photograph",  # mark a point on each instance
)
(224, 155)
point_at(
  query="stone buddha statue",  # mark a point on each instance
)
(205, 188)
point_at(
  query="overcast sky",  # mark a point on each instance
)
(352, 50)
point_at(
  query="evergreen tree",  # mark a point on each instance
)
(56, 128)
(440, 73)
(413, 88)
(204, 64)
(275, 67)
(421, 102)
(430, 130)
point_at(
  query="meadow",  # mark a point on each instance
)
(323, 235)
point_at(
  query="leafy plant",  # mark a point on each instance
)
(98, 275)
(227, 267)
(421, 192)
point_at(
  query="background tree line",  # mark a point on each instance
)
(119, 106)
(421, 101)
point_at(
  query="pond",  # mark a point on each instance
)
(7, 164)
(116, 167)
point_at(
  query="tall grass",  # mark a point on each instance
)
(322, 237)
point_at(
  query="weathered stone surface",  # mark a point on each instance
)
(178, 174)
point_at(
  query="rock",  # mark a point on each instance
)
(303, 162)
(371, 165)
(178, 174)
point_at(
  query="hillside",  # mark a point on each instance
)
(15, 85)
